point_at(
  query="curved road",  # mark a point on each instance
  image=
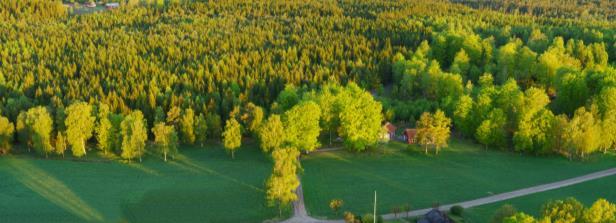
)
(300, 215)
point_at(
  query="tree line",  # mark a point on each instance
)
(566, 210)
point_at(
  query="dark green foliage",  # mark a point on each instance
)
(456, 210)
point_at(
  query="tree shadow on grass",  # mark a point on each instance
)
(52, 189)
(230, 204)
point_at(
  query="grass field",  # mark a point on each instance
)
(202, 185)
(587, 193)
(399, 175)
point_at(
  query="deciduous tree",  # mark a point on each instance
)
(271, 134)
(134, 136)
(583, 133)
(232, 136)
(301, 125)
(187, 127)
(166, 139)
(60, 144)
(433, 130)
(79, 126)
(6, 135)
(360, 118)
(201, 130)
(40, 125)
(282, 183)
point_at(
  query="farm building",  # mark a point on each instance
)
(435, 216)
(410, 135)
(390, 131)
(112, 5)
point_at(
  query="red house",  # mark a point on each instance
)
(410, 135)
(391, 130)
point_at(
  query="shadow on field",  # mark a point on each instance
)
(50, 188)
(196, 204)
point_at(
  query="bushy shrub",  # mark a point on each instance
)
(367, 218)
(503, 212)
(349, 217)
(456, 210)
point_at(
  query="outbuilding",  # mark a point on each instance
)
(112, 5)
(390, 131)
(410, 135)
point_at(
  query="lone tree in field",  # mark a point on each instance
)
(232, 137)
(134, 136)
(39, 125)
(187, 127)
(271, 134)
(433, 130)
(301, 124)
(60, 144)
(79, 126)
(282, 183)
(166, 139)
(6, 135)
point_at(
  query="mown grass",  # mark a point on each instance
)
(200, 185)
(587, 193)
(462, 172)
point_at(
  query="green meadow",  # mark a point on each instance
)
(400, 175)
(587, 193)
(199, 185)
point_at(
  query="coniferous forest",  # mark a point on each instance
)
(532, 77)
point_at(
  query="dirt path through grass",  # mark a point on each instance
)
(300, 214)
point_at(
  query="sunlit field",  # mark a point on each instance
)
(199, 184)
(400, 176)
(587, 193)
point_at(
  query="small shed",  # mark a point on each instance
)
(390, 130)
(435, 216)
(410, 135)
(112, 5)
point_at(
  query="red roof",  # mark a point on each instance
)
(390, 127)
(410, 135)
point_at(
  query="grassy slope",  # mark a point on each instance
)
(201, 184)
(587, 193)
(462, 172)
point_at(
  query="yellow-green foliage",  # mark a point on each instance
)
(79, 126)
(134, 136)
(271, 134)
(282, 183)
(301, 126)
(6, 135)
(166, 139)
(232, 136)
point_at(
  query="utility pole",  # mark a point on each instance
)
(374, 214)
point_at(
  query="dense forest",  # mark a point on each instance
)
(580, 9)
(507, 80)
